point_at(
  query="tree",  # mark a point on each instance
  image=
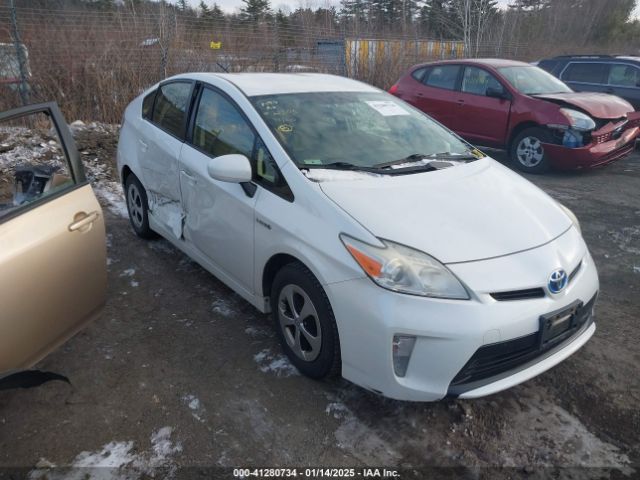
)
(205, 11)
(255, 10)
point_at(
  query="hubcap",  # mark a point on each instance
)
(530, 152)
(134, 202)
(299, 322)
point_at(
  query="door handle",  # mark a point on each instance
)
(188, 175)
(460, 102)
(143, 145)
(81, 220)
(609, 90)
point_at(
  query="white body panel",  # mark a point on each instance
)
(493, 229)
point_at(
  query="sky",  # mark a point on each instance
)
(290, 5)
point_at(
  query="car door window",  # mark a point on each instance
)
(623, 76)
(171, 105)
(219, 128)
(443, 76)
(477, 80)
(585, 72)
(33, 164)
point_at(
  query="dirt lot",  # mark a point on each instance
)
(179, 372)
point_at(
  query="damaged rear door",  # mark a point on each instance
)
(52, 236)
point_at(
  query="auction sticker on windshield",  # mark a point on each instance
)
(387, 108)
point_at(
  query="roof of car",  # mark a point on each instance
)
(254, 84)
(490, 62)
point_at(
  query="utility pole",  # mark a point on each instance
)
(20, 54)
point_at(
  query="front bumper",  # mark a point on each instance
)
(449, 332)
(595, 154)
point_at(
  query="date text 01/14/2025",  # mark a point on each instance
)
(314, 473)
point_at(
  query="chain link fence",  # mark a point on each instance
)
(94, 62)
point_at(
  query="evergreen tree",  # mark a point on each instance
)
(255, 10)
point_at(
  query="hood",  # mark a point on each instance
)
(471, 212)
(598, 105)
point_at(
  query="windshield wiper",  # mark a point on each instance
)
(416, 157)
(343, 166)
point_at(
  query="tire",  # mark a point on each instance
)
(526, 151)
(138, 207)
(318, 358)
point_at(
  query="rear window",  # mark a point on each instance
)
(171, 107)
(443, 76)
(147, 105)
(418, 74)
(585, 72)
(624, 76)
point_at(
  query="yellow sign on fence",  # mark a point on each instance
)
(215, 45)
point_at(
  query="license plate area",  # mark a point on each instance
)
(558, 325)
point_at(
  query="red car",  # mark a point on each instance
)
(523, 109)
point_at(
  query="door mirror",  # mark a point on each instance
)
(234, 168)
(497, 92)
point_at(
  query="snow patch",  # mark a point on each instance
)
(116, 461)
(195, 406)
(223, 307)
(279, 364)
(129, 272)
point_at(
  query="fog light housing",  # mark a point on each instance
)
(402, 349)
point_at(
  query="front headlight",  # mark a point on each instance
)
(578, 120)
(572, 216)
(405, 270)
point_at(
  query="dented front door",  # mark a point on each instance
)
(52, 238)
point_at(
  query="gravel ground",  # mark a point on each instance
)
(179, 376)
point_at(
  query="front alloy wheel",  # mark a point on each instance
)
(304, 322)
(527, 150)
(299, 322)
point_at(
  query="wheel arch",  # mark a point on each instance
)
(274, 265)
(519, 129)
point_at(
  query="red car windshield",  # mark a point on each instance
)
(533, 80)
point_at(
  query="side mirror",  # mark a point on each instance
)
(495, 92)
(234, 168)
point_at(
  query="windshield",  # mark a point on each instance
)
(361, 129)
(533, 80)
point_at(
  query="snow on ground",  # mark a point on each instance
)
(223, 307)
(277, 364)
(117, 460)
(197, 410)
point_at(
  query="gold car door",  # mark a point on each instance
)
(52, 237)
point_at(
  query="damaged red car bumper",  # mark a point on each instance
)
(608, 144)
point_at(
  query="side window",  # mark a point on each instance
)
(443, 76)
(623, 76)
(477, 80)
(268, 174)
(418, 74)
(171, 107)
(219, 128)
(33, 164)
(585, 72)
(147, 105)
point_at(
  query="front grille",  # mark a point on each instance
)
(613, 134)
(518, 294)
(497, 358)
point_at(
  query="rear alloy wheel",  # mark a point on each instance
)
(138, 207)
(304, 322)
(527, 151)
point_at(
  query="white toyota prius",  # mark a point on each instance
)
(388, 250)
